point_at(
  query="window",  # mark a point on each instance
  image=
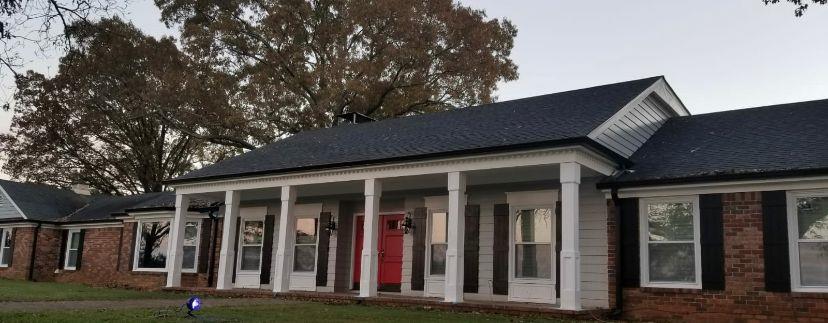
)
(670, 248)
(5, 247)
(439, 243)
(306, 237)
(533, 243)
(251, 245)
(191, 238)
(152, 245)
(808, 233)
(72, 247)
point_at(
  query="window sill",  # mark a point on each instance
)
(150, 270)
(805, 292)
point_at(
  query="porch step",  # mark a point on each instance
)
(394, 300)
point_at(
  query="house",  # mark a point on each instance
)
(611, 197)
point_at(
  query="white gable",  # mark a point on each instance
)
(635, 123)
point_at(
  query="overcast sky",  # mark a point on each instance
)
(717, 55)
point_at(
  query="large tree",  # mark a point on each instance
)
(299, 63)
(37, 26)
(102, 120)
(799, 5)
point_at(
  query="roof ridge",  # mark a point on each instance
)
(761, 107)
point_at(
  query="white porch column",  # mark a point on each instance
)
(456, 234)
(176, 248)
(227, 255)
(370, 239)
(570, 252)
(287, 233)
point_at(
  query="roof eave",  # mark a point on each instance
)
(714, 178)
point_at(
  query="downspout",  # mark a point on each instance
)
(619, 265)
(30, 276)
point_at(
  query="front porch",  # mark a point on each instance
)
(500, 230)
(397, 300)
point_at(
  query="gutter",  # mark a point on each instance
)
(715, 178)
(618, 311)
(30, 276)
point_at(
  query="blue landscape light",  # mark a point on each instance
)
(193, 304)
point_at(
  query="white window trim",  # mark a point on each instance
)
(137, 245)
(5, 231)
(429, 244)
(197, 246)
(69, 248)
(316, 256)
(643, 221)
(512, 243)
(241, 245)
(793, 240)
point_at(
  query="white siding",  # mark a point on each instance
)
(7, 208)
(593, 246)
(631, 127)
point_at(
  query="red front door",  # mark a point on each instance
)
(390, 249)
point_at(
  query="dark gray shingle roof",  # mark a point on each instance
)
(781, 140)
(547, 119)
(43, 202)
(105, 207)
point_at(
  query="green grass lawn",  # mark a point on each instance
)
(300, 312)
(25, 291)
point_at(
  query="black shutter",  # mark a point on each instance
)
(418, 261)
(471, 246)
(712, 242)
(500, 266)
(630, 261)
(12, 234)
(267, 249)
(237, 247)
(204, 245)
(135, 232)
(80, 249)
(775, 239)
(322, 250)
(64, 236)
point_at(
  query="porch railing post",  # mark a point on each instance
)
(369, 263)
(176, 248)
(456, 234)
(287, 234)
(570, 253)
(227, 255)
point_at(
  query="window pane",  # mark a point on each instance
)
(306, 230)
(153, 248)
(672, 262)
(6, 256)
(533, 261)
(439, 228)
(190, 233)
(75, 241)
(534, 225)
(253, 232)
(305, 259)
(72, 261)
(250, 257)
(670, 221)
(813, 263)
(812, 215)
(438, 259)
(189, 257)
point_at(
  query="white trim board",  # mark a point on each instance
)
(576, 154)
(773, 184)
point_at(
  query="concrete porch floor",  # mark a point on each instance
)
(397, 300)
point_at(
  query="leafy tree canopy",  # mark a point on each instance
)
(101, 119)
(800, 5)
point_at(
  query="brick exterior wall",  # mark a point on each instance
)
(107, 259)
(19, 269)
(744, 297)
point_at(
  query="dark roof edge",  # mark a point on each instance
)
(715, 178)
(58, 223)
(163, 208)
(584, 141)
